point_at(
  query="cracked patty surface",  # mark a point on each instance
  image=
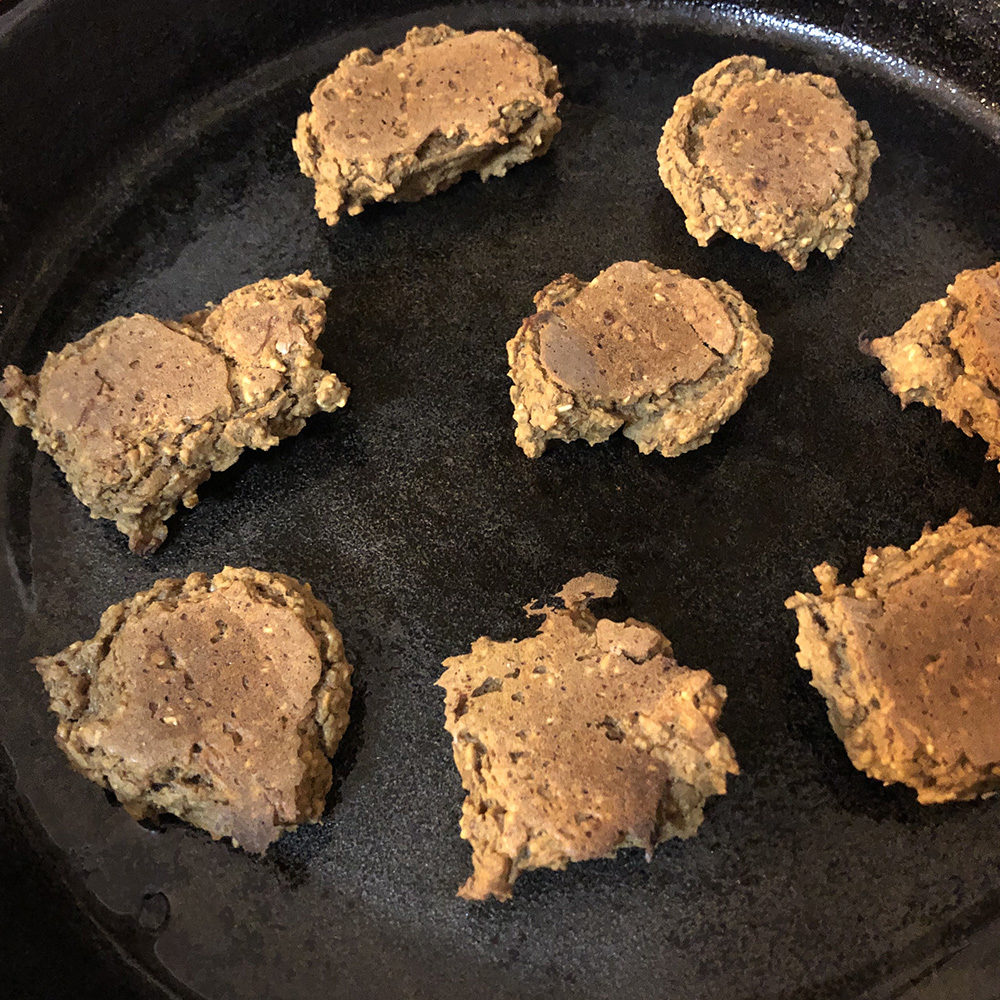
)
(582, 739)
(665, 357)
(907, 659)
(776, 159)
(408, 122)
(215, 699)
(140, 411)
(947, 355)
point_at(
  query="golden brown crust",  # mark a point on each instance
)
(582, 739)
(776, 159)
(906, 657)
(947, 355)
(666, 357)
(408, 122)
(140, 411)
(217, 700)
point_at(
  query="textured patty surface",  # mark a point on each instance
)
(407, 122)
(664, 357)
(215, 699)
(947, 355)
(141, 411)
(777, 159)
(582, 739)
(908, 659)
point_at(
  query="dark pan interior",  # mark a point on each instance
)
(416, 518)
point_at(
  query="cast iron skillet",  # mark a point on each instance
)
(146, 165)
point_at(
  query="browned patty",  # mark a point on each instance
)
(947, 355)
(408, 122)
(776, 159)
(215, 699)
(664, 357)
(582, 739)
(907, 659)
(140, 411)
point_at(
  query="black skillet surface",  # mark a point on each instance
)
(416, 518)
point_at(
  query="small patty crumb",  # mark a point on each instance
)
(776, 159)
(410, 121)
(668, 357)
(906, 657)
(141, 411)
(215, 699)
(582, 739)
(947, 355)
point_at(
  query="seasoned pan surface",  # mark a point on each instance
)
(416, 518)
